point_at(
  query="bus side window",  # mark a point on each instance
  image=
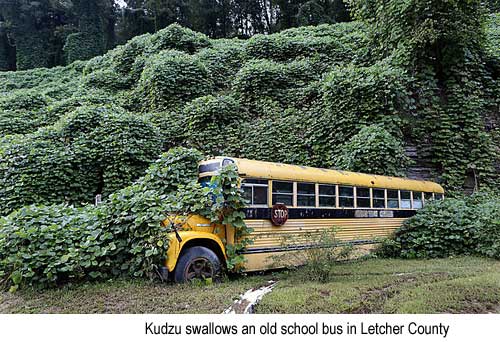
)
(405, 199)
(363, 197)
(417, 200)
(438, 196)
(427, 197)
(255, 191)
(392, 199)
(283, 193)
(327, 195)
(378, 198)
(306, 195)
(346, 196)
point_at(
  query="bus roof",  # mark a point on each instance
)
(248, 168)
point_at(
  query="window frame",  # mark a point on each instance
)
(379, 198)
(392, 198)
(335, 197)
(409, 199)
(413, 199)
(252, 185)
(296, 194)
(293, 193)
(353, 196)
(370, 197)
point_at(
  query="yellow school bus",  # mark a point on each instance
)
(290, 200)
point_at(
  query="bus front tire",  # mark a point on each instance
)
(197, 263)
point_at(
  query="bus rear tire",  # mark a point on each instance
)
(197, 263)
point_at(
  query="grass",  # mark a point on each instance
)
(126, 296)
(453, 285)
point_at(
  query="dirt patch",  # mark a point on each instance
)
(324, 293)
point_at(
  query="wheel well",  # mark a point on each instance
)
(208, 243)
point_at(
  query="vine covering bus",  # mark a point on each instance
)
(290, 200)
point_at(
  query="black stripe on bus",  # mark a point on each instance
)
(310, 213)
(304, 247)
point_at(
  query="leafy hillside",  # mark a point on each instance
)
(300, 96)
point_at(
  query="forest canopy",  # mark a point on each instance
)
(47, 33)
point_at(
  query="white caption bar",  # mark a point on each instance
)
(249, 327)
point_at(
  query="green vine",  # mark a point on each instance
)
(227, 209)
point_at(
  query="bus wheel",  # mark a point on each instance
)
(197, 263)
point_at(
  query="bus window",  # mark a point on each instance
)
(283, 193)
(392, 199)
(417, 200)
(327, 195)
(363, 197)
(378, 198)
(210, 167)
(438, 196)
(427, 197)
(306, 195)
(255, 191)
(205, 181)
(405, 199)
(346, 196)
(247, 193)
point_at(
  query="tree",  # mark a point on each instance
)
(373, 150)
(7, 49)
(441, 44)
(95, 29)
(28, 25)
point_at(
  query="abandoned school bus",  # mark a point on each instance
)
(289, 200)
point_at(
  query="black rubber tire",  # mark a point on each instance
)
(195, 254)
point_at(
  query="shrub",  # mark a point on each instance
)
(125, 56)
(41, 78)
(263, 80)
(93, 150)
(23, 100)
(106, 79)
(486, 209)
(48, 245)
(318, 261)
(223, 61)
(28, 121)
(338, 43)
(45, 245)
(171, 78)
(172, 126)
(117, 69)
(373, 150)
(179, 38)
(278, 47)
(208, 118)
(450, 227)
(352, 97)
(276, 136)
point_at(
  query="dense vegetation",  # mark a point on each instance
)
(47, 33)
(45, 245)
(456, 226)
(351, 95)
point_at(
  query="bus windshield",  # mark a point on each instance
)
(206, 182)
